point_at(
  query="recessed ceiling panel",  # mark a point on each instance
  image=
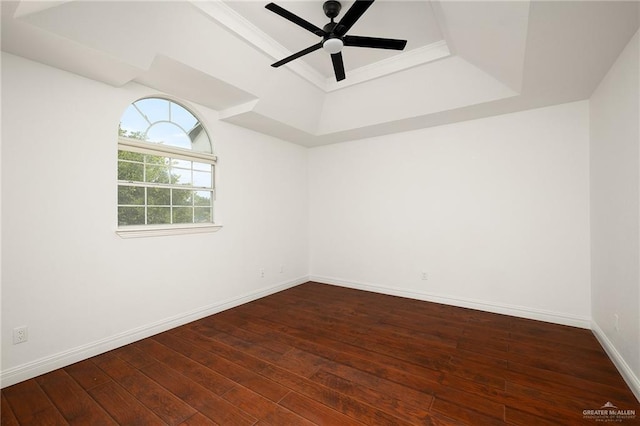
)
(413, 21)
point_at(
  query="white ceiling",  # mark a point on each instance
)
(413, 21)
(463, 60)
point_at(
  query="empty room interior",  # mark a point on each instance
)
(307, 212)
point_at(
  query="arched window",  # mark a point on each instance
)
(166, 170)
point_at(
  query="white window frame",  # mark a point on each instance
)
(142, 147)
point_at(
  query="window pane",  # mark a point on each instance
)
(182, 197)
(202, 214)
(132, 123)
(183, 215)
(158, 215)
(154, 109)
(157, 159)
(130, 215)
(182, 117)
(158, 196)
(130, 171)
(131, 156)
(202, 166)
(202, 179)
(156, 174)
(202, 198)
(181, 176)
(168, 134)
(131, 195)
(157, 120)
(183, 164)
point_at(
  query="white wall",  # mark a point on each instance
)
(615, 211)
(496, 211)
(65, 273)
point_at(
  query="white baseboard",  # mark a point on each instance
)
(44, 365)
(513, 310)
(625, 371)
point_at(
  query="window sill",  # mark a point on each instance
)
(163, 230)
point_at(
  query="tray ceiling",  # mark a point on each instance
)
(463, 60)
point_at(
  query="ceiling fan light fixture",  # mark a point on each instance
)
(333, 45)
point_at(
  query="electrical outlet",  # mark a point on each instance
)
(20, 334)
(261, 272)
(424, 276)
(616, 322)
(281, 269)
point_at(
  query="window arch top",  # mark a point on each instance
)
(164, 122)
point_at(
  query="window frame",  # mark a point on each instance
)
(151, 148)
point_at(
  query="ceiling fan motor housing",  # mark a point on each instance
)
(331, 42)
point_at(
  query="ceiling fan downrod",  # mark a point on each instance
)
(331, 42)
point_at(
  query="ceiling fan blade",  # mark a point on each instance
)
(353, 14)
(338, 66)
(295, 19)
(375, 42)
(297, 55)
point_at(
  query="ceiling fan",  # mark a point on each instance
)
(333, 34)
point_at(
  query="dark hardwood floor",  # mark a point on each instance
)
(319, 354)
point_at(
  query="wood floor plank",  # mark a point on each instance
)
(161, 402)
(198, 419)
(585, 395)
(267, 412)
(7, 418)
(72, 401)
(598, 372)
(365, 338)
(236, 372)
(197, 396)
(568, 404)
(491, 347)
(394, 406)
(134, 356)
(432, 359)
(470, 369)
(412, 375)
(524, 329)
(87, 374)
(219, 325)
(31, 406)
(301, 362)
(459, 411)
(434, 331)
(469, 401)
(209, 379)
(397, 369)
(122, 406)
(367, 380)
(521, 418)
(208, 358)
(316, 412)
(333, 399)
(327, 355)
(576, 384)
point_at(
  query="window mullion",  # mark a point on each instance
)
(171, 206)
(146, 206)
